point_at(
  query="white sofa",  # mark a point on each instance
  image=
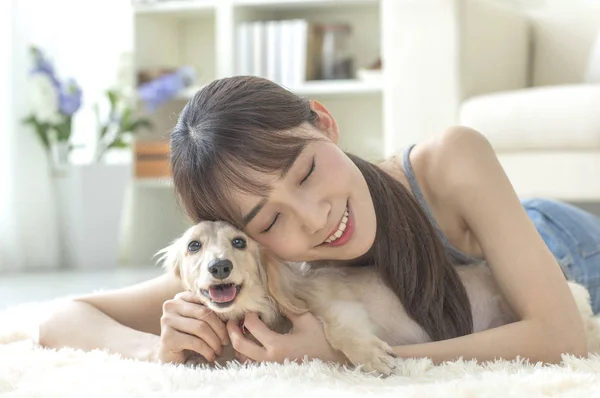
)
(522, 78)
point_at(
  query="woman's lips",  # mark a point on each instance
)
(347, 233)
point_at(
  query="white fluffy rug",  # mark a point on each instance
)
(26, 370)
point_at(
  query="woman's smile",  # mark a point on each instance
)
(343, 231)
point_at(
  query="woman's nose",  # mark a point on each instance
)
(314, 216)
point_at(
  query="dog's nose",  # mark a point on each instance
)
(220, 268)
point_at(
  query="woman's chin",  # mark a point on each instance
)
(352, 250)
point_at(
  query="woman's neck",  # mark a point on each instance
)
(394, 168)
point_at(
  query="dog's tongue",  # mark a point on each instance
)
(222, 294)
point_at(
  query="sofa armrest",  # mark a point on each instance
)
(560, 117)
(438, 53)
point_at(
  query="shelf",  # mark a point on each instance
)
(187, 93)
(299, 4)
(319, 88)
(338, 87)
(180, 8)
(185, 7)
(153, 182)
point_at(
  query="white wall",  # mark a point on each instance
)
(6, 188)
(85, 39)
(534, 4)
(28, 234)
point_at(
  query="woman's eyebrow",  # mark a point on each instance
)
(254, 211)
(288, 165)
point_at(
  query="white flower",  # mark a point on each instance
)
(125, 77)
(44, 100)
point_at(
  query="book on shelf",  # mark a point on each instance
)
(287, 52)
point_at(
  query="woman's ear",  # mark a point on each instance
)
(327, 122)
(280, 283)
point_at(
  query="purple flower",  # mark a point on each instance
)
(163, 89)
(70, 97)
(42, 64)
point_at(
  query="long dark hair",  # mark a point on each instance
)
(241, 123)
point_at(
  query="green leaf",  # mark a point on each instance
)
(125, 119)
(103, 130)
(140, 123)
(29, 120)
(119, 143)
(64, 129)
(113, 97)
(41, 130)
(98, 121)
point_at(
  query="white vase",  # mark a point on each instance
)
(59, 154)
(90, 203)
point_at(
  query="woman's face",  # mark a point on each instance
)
(320, 209)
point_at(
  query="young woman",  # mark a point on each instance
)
(251, 153)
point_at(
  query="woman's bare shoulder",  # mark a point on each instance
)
(437, 160)
(432, 158)
(138, 306)
(441, 168)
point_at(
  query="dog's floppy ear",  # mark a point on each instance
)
(171, 258)
(280, 283)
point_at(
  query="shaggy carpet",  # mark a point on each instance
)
(27, 370)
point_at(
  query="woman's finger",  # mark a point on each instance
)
(177, 341)
(292, 316)
(243, 345)
(200, 329)
(199, 312)
(259, 330)
(189, 297)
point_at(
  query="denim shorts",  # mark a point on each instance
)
(573, 237)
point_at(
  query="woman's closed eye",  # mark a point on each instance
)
(310, 171)
(308, 174)
(272, 224)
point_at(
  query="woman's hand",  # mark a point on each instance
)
(307, 338)
(187, 328)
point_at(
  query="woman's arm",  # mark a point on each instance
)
(528, 339)
(465, 172)
(80, 325)
(124, 321)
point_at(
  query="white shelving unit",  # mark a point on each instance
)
(178, 8)
(330, 89)
(301, 3)
(203, 34)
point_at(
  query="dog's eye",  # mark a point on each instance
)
(239, 243)
(194, 246)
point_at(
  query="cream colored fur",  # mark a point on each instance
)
(30, 371)
(361, 316)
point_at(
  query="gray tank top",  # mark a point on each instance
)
(456, 256)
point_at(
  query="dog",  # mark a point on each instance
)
(361, 316)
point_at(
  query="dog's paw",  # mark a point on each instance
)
(374, 357)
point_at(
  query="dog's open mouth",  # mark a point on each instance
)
(222, 295)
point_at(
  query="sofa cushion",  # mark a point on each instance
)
(593, 68)
(557, 117)
(565, 175)
(562, 41)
